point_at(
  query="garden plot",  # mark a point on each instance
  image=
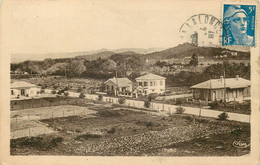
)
(29, 128)
(50, 112)
(26, 122)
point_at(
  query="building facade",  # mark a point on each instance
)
(23, 89)
(229, 89)
(121, 85)
(150, 83)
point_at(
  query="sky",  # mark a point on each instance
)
(52, 26)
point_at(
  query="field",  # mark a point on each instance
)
(120, 131)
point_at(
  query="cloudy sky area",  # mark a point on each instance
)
(37, 27)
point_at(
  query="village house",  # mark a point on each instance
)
(150, 83)
(122, 85)
(229, 89)
(21, 88)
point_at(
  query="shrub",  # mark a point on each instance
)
(42, 91)
(87, 136)
(82, 95)
(121, 100)
(223, 116)
(79, 89)
(152, 96)
(149, 124)
(100, 97)
(112, 130)
(66, 94)
(147, 104)
(214, 105)
(180, 110)
(53, 92)
(60, 92)
(66, 89)
(179, 101)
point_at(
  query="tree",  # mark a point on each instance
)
(194, 60)
(75, 68)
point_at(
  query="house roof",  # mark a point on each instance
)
(21, 84)
(150, 76)
(221, 83)
(122, 82)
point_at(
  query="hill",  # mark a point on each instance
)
(187, 50)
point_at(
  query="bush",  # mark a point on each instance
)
(100, 97)
(66, 89)
(60, 92)
(214, 104)
(180, 110)
(88, 136)
(66, 94)
(53, 92)
(147, 104)
(112, 130)
(79, 89)
(82, 95)
(121, 100)
(152, 96)
(223, 116)
(42, 91)
(179, 101)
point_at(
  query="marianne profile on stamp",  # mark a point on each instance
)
(236, 27)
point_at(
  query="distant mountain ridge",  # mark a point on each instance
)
(81, 54)
(177, 52)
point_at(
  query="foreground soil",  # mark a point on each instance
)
(120, 132)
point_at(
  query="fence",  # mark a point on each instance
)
(19, 124)
(166, 108)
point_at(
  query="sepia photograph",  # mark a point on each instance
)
(141, 79)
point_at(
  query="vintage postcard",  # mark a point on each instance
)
(129, 82)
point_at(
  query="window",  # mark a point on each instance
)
(151, 83)
(145, 84)
(112, 88)
(161, 82)
(154, 83)
(12, 92)
(107, 87)
(140, 83)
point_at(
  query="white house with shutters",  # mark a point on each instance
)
(23, 89)
(150, 83)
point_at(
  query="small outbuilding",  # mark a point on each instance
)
(21, 88)
(121, 85)
(229, 89)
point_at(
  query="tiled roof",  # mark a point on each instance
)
(122, 82)
(150, 76)
(21, 84)
(219, 83)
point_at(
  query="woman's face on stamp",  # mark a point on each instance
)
(239, 24)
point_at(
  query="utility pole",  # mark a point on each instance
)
(116, 84)
(225, 104)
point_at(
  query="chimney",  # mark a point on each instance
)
(237, 77)
(221, 78)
